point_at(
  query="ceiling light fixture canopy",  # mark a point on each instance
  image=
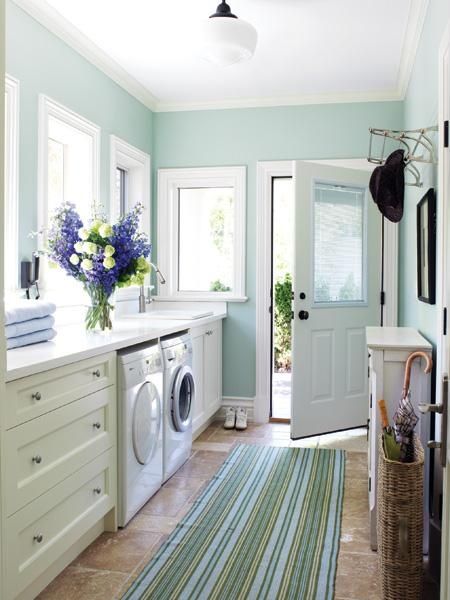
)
(227, 39)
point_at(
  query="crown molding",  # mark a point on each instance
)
(414, 27)
(61, 27)
(305, 99)
(52, 20)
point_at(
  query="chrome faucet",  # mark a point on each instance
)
(142, 299)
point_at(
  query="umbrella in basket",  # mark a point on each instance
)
(405, 419)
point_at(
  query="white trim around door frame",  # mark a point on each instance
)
(265, 172)
(442, 295)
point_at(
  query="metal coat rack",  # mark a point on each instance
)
(417, 143)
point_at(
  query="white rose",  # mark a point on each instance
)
(74, 259)
(87, 264)
(83, 233)
(78, 247)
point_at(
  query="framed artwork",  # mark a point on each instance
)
(426, 248)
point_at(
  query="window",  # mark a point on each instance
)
(201, 232)
(69, 148)
(130, 180)
(339, 244)
(121, 190)
(11, 246)
(130, 184)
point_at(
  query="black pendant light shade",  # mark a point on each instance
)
(223, 10)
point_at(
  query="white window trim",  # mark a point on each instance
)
(126, 156)
(49, 107)
(12, 89)
(169, 181)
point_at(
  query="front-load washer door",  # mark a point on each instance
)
(183, 392)
(146, 422)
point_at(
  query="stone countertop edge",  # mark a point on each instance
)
(73, 343)
(396, 338)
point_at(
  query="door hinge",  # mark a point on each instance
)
(292, 315)
(370, 400)
(382, 298)
(444, 321)
(368, 372)
(446, 134)
(370, 484)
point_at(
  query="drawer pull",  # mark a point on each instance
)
(96, 425)
(97, 490)
(37, 459)
(97, 373)
(36, 396)
(209, 332)
(38, 538)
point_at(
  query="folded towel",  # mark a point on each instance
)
(25, 310)
(18, 329)
(31, 338)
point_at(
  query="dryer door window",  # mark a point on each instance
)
(183, 392)
(146, 422)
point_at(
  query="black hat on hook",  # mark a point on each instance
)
(387, 186)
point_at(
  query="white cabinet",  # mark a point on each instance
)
(388, 349)
(58, 465)
(207, 367)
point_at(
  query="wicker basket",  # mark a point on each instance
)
(400, 525)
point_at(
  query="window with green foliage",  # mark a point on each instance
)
(201, 232)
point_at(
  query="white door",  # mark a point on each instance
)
(336, 295)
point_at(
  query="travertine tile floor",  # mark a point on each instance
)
(106, 569)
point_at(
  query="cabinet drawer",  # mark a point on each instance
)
(36, 395)
(43, 452)
(39, 533)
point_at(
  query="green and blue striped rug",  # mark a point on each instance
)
(266, 527)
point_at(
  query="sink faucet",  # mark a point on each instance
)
(142, 299)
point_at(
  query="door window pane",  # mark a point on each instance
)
(206, 239)
(339, 244)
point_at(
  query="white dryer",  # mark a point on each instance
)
(179, 393)
(140, 425)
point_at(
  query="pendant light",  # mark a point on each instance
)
(226, 39)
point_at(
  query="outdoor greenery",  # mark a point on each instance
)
(282, 322)
(218, 286)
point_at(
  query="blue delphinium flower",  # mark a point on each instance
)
(101, 256)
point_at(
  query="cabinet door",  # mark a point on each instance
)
(213, 368)
(197, 367)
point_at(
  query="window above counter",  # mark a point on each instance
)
(201, 233)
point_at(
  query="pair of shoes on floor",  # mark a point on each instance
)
(235, 418)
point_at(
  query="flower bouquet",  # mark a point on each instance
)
(102, 256)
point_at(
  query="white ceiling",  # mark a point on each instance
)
(308, 50)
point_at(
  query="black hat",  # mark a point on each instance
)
(387, 186)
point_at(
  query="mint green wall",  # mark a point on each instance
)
(420, 109)
(242, 137)
(45, 64)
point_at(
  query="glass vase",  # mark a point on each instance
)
(98, 315)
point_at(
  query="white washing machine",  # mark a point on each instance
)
(140, 428)
(179, 393)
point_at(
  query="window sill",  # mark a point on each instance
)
(209, 298)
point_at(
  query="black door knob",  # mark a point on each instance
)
(303, 315)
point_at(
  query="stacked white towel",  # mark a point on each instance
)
(29, 322)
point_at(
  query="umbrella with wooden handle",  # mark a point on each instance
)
(405, 419)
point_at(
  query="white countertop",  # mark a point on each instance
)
(73, 343)
(396, 338)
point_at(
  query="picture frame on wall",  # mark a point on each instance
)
(426, 248)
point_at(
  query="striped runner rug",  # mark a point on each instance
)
(266, 527)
